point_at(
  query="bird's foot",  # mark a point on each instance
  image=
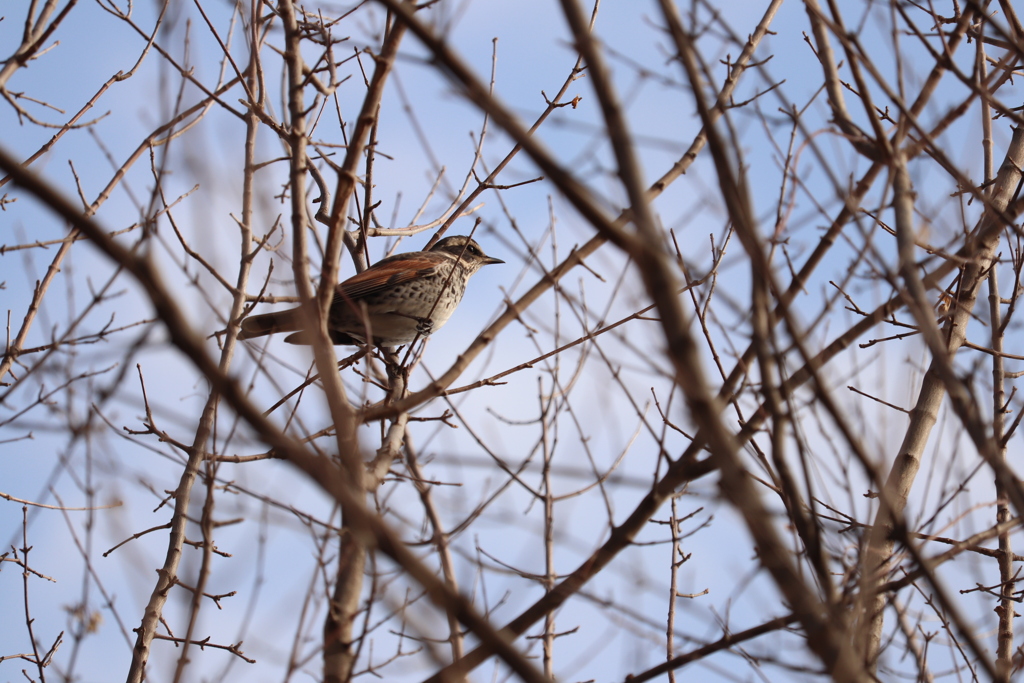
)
(424, 326)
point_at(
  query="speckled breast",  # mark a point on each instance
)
(401, 313)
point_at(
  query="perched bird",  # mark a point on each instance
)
(395, 299)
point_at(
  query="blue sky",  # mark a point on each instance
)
(274, 551)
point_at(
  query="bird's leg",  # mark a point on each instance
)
(424, 326)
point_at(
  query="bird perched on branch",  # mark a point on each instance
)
(393, 301)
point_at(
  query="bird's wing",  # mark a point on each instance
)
(389, 272)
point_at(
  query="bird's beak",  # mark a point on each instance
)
(490, 259)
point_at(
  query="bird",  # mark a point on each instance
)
(393, 302)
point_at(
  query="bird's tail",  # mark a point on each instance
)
(269, 323)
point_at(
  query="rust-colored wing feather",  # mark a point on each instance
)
(388, 273)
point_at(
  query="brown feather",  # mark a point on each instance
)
(396, 300)
(389, 272)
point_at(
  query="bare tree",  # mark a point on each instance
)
(630, 454)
